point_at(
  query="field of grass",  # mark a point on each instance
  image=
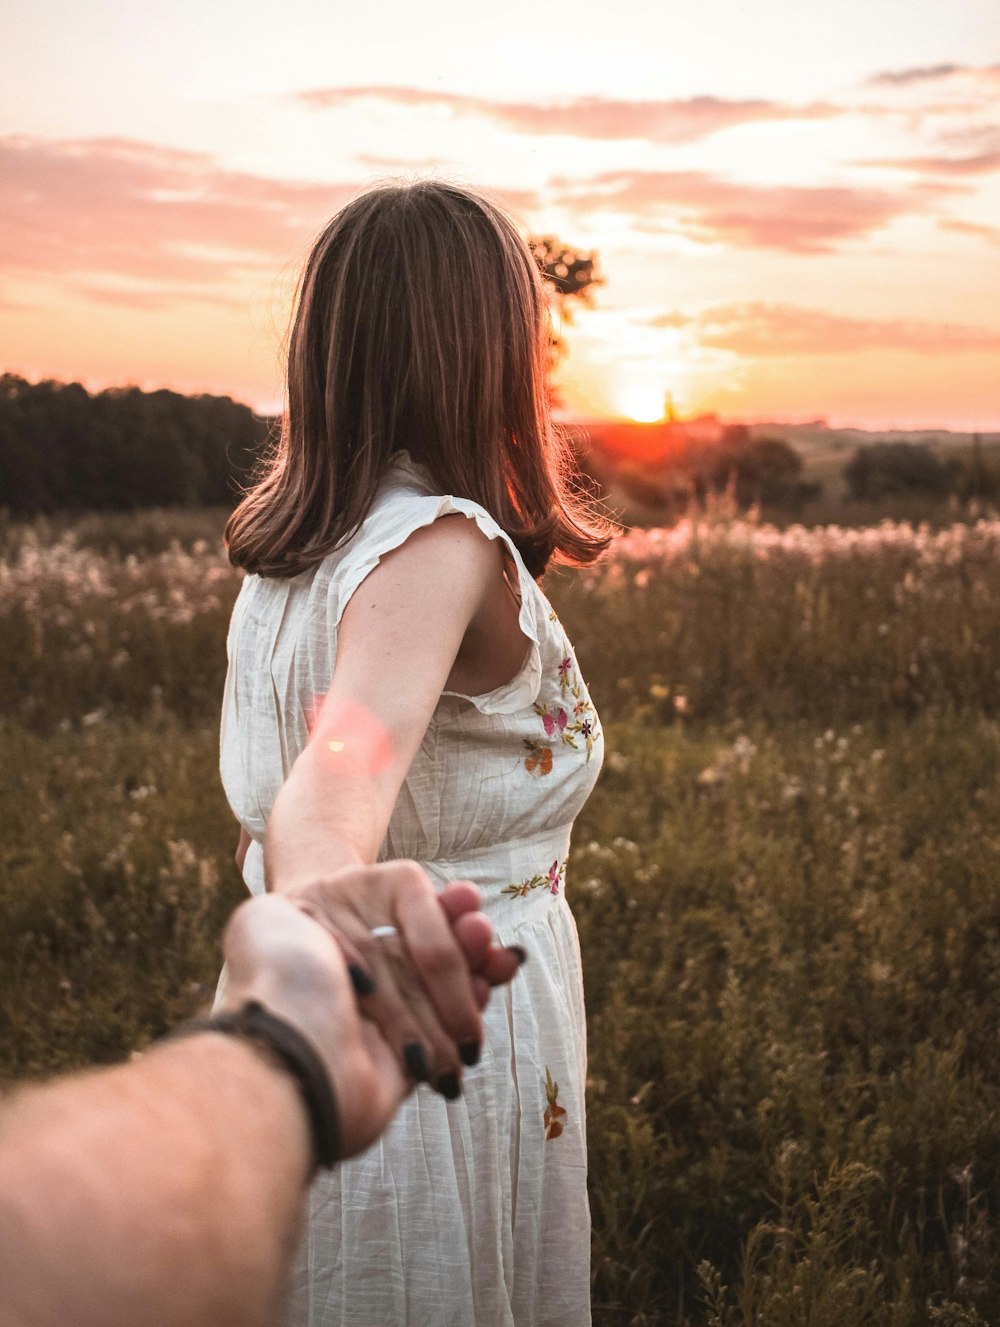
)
(786, 885)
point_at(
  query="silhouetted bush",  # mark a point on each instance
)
(765, 470)
(887, 468)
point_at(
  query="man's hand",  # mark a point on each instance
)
(277, 954)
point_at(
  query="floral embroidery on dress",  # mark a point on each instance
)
(560, 723)
(554, 1113)
(554, 722)
(538, 761)
(552, 880)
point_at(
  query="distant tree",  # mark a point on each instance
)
(571, 274)
(774, 461)
(763, 469)
(885, 469)
(974, 479)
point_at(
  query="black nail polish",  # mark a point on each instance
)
(519, 953)
(448, 1086)
(469, 1053)
(360, 980)
(415, 1059)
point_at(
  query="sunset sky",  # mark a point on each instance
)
(796, 206)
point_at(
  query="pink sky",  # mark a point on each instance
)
(796, 213)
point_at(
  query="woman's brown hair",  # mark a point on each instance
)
(420, 324)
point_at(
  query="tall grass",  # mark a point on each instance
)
(712, 619)
(792, 951)
(785, 885)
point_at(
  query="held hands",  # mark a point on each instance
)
(425, 986)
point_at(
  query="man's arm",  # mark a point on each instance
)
(168, 1192)
(163, 1193)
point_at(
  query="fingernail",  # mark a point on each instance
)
(519, 953)
(449, 1087)
(469, 1053)
(415, 1059)
(360, 980)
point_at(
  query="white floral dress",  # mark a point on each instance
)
(470, 1213)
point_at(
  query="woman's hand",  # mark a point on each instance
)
(278, 955)
(425, 985)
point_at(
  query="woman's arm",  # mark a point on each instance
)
(397, 644)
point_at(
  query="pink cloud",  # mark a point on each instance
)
(974, 228)
(762, 330)
(150, 213)
(667, 121)
(795, 218)
(164, 223)
(981, 163)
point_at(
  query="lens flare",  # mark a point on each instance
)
(349, 730)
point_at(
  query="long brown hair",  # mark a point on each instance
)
(420, 324)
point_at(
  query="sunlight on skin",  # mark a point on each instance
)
(355, 738)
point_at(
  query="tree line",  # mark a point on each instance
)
(65, 449)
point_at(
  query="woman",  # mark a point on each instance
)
(403, 706)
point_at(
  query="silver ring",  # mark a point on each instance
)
(384, 932)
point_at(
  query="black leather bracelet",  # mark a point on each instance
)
(256, 1024)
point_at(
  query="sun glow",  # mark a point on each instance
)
(642, 402)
